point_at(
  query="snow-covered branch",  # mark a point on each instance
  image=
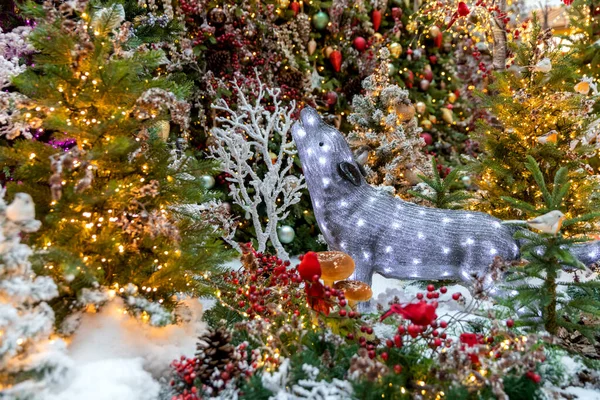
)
(243, 137)
(26, 320)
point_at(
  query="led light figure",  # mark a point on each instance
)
(387, 235)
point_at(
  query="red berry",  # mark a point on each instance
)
(343, 303)
(420, 296)
(456, 296)
(397, 368)
(443, 289)
(371, 354)
(384, 356)
(343, 313)
(443, 324)
(430, 288)
(352, 314)
(389, 343)
(350, 336)
(398, 341)
(369, 331)
(363, 329)
(437, 342)
(510, 323)
(430, 295)
(401, 330)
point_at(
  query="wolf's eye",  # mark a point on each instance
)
(321, 144)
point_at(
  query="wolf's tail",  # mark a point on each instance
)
(588, 253)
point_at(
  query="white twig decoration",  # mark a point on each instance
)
(242, 142)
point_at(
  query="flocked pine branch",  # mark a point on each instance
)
(242, 141)
(30, 362)
(444, 195)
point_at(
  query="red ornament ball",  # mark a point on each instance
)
(331, 98)
(295, 7)
(427, 138)
(360, 43)
(510, 323)
(430, 288)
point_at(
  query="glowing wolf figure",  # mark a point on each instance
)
(387, 235)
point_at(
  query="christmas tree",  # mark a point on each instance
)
(30, 361)
(584, 19)
(109, 185)
(386, 139)
(539, 115)
(317, 53)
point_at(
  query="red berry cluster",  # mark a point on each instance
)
(185, 375)
(188, 386)
(269, 281)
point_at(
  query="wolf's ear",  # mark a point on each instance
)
(349, 172)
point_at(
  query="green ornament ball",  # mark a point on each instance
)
(320, 20)
(207, 181)
(286, 234)
(391, 69)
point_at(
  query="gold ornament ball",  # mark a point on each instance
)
(426, 124)
(435, 31)
(421, 107)
(433, 119)
(405, 112)
(284, 3)
(396, 49)
(451, 98)
(378, 37)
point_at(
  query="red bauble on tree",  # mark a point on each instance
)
(438, 40)
(376, 19)
(331, 98)
(336, 60)
(428, 73)
(295, 7)
(360, 43)
(410, 79)
(427, 138)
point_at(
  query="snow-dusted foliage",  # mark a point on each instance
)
(278, 383)
(13, 45)
(26, 320)
(242, 142)
(386, 138)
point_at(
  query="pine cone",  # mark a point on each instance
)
(213, 351)
(292, 78)
(217, 61)
(352, 87)
(303, 27)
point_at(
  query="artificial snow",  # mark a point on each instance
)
(119, 357)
